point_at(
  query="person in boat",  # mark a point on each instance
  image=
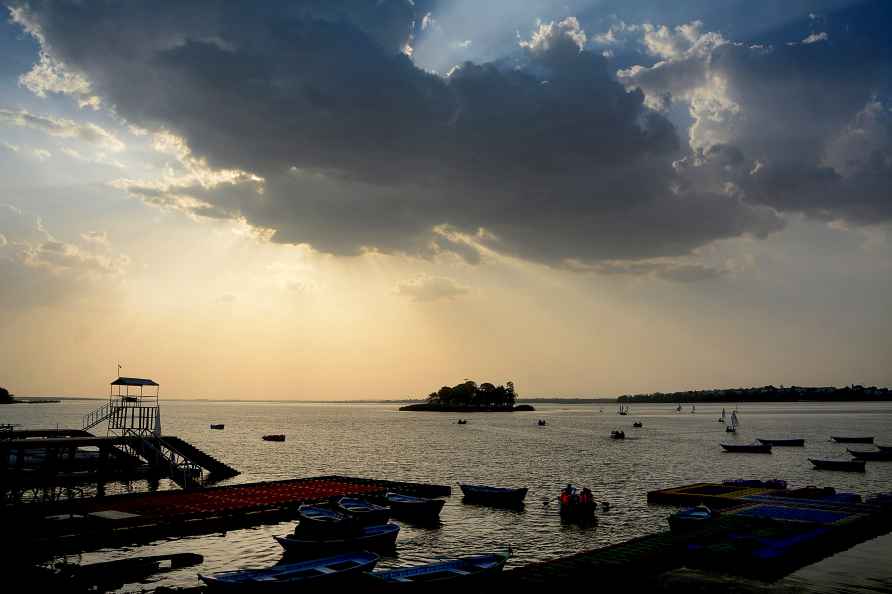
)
(586, 498)
(567, 494)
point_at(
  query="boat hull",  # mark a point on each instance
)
(418, 509)
(746, 449)
(371, 538)
(493, 495)
(779, 443)
(839, 465)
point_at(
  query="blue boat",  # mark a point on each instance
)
(291, 576)
(461, 570)
(691, 518)
(365, 513)
(370, 538)
(414, 508)
(493, 495)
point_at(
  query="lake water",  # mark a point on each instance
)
(377, 441)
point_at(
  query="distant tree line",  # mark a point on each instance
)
(767, 394)
(471, 395)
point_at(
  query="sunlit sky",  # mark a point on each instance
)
(329, 199)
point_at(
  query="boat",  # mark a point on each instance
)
(365, 513)
(623, 410)
(732, 426)
(292, 576)
(461, 570)
(690, 518)
(721, 419)
(843, 465)
(493, 495)
(462, 422)
(414, 508)
(577, 506)
(840, 439)
(321, 520)
(370, 538)
(693, 408)
(541, 422)
(678, 408)
(885, 448)
(617, 434)
(749, 448)
(875, 456)
(638, 424)
(782, 442)
(218, 426)
(274, 437)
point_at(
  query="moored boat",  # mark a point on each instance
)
(321, 520)
(637, 424)
(364, 512)
(218, 426)
(843, 439)
(414, 508)
(289, 576)
(493, 495)
(749, 448)
(843, 465)
(274, 437)
(690, 518)
(541, 422)
(456, 571)
(782, 442)
(370, 538)
(578, 506)
(874, 456)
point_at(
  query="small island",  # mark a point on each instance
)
(5, 396)
(468, 396)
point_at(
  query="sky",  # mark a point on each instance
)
(338, 199)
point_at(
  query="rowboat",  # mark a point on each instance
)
(839, 439)
(461, 570)
(782, 442)
(321, 520)
(292, 576)
(370, 538)
(274, 437)
(493, 495)
(365, 513)
(218, 426)
(687, 519)
(843, 465)
(885, 448)
(750, 448)
(414, 508)
(876, 456)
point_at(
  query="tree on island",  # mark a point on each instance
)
(470, 395)
(5, 396)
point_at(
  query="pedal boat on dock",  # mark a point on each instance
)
(363, 512)
(370, 538)
(782, 442)
(493, 495)
(842, 465)
(459, 571)
(872, 456)
(841, 439)
(414, 508)
(290, 577)
(749, 448)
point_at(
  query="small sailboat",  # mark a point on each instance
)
(274, 437)
(732, 426)
(623, 410)
(750, 448)
(721, 419)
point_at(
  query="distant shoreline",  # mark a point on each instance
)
(425, 407)
(766, 394)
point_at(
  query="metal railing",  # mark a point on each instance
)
(95, 417)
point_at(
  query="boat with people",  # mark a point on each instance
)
(449, 572)
(541, 422)
(842, 465)
(748, 448)
(732, 426)
(322, 520)
(691, 518)
(289, 577)
(871, 456)
(274, 437)
(843, 439)
(493, 495)
(577, 505)
(783, 443)
(364, 512)
(623, 410)
(462, 422)
(369, 538)
(617, 434)
(218, 426)
(414, 508)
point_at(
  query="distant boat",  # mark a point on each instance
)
(493, 495)
(371, 538)
(277, 437)
(458, 570)
(782, 442)
(617, 434)
(732, 426)
(541, 422)
(876, 456)
(638, 424)
(462, 422)
(414, 508)
(721, 419)
(843, 465)
(750, 448)
(365, 513)
(839, 439)
(218, 426)
(290, 576)
(690, 518)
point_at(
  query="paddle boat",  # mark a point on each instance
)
(218, 426)
(874, 456)
(321, 520)
(617, 434)
(782, 442)
(457, 571)
(691, 518)
(370, 538)
(842, 465)
(365, 513)
(292, 576)
(414, 508)
(749, 448)
(274, 437)
(493, 495)
(841, 439)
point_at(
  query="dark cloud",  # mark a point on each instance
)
(543, 155)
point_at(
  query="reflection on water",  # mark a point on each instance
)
(506, 450)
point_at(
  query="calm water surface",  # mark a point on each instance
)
(377, 441)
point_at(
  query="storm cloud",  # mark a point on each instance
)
(337, 139)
